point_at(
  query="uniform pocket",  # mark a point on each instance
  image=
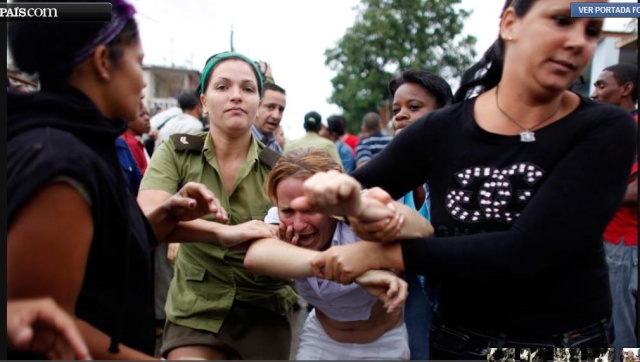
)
(188, 289)
(194, 273)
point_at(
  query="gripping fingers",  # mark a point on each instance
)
(397, 299)
(317, 266)
(391, 229)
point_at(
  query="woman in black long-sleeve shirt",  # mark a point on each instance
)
(523, 177)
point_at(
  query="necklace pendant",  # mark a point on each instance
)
(527, 136)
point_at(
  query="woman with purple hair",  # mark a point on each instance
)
(75, 232)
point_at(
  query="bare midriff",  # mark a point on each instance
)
(365, 331)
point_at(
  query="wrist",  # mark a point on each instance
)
(391, 256)
(377, 258)
(168, 213)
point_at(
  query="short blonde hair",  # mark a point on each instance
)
(300, 163)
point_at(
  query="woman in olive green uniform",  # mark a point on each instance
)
(216, 309)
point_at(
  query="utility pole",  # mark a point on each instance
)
(231, 40)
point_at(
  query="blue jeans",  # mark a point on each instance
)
(452, 342)
(623, 278)
(418, 311)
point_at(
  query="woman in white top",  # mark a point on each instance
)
(348, 321)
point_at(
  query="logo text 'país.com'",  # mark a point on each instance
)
(55, 12)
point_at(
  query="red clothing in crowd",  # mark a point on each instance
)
(624, 224)
(351, 141)
(137, 150)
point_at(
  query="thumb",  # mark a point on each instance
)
(317, 265)
(177, 205)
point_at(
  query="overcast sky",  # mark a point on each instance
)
(291, 35)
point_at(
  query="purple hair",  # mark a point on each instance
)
(122, 12)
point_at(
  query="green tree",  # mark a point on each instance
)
(393, 35)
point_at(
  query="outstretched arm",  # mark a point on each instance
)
(345, 263)
(191, 202)
(198, 230)
(278, 259)
(373, 214)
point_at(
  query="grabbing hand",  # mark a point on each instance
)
(344, 263)
(331, 193)
(335, 193)
(406, 223)
(234, 235)
(386, 286)
(41, 326)
(380, 220)
(193, 201)
(287, 234)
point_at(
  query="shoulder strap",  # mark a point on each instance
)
(187, 142)
(269, 157)
(164, 123)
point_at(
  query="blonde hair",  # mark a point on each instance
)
(300, 163)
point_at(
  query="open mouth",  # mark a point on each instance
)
(306, 239)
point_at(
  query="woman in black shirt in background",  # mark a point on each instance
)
(524, 178)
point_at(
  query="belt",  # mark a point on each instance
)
(453, 337)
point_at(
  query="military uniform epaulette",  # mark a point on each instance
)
(187, 142)
(269, 157)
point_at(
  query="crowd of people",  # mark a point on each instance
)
(494, 222)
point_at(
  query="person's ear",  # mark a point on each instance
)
(627, 89)
(203, 104)
(508, 24)
(101, 62)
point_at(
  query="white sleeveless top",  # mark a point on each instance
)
(339, 302)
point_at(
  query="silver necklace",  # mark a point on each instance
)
(526, 135)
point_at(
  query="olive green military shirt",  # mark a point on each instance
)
(208, 277)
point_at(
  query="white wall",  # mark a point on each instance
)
(606, 54)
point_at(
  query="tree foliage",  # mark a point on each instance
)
(393, 35)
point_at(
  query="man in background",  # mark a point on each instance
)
(311, 139)
(188, 121)
(335, 131)
(618, 85)
(372, 141)
(269, 116)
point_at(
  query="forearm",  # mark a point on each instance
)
(380, 256)
(162, 222)
(414, 225)
(196, 231)
(278, 259)
(98, 343)
(153, 205)
(391, 257)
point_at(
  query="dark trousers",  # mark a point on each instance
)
(451, 342)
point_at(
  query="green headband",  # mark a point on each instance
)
(226, 55)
